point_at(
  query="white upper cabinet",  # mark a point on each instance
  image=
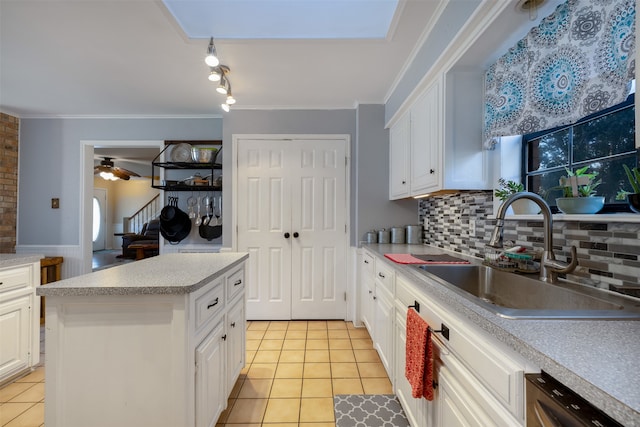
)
(426, 137)
(399, 140)
(437, 142)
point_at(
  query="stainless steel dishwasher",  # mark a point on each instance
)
(551, 404)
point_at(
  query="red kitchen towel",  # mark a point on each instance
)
(419, 356)
(404, 259)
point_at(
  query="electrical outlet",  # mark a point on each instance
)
(55, 203)
(472, 227)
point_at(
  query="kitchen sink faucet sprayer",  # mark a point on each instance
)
(549, 266)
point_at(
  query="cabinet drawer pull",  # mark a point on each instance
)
(374, 297)
(238, 282)
(366, 262)
(224, 337)
(1, 283)
(431, 171)
(370, 292)
(381, 275)
(215, 302)
(233, 324)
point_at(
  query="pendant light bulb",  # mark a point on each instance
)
(211, 59)
(225, 107)
(230, 99)
(214, 76)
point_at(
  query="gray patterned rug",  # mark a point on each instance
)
(368, 410)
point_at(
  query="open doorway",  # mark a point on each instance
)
(131, 155)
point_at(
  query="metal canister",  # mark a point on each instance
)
(371, 236)
(398, 235)
(384, 236)
(414, 234)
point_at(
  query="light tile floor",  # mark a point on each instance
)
(293, 370)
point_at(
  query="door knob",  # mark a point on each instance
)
(295, 234)
(286, 235)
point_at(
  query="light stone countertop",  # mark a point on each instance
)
(10, 260)
(598, 359)
(163, 274)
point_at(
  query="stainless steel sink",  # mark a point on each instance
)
(518, 296)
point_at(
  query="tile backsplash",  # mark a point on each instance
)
(608, 253)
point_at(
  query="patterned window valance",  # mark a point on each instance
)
(577, 61)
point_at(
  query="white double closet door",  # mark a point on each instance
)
(292, 219)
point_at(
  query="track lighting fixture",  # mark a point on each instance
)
(211, 59)
(219, 73)
(222, 87)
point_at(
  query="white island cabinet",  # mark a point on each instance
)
(19, 315)
(158, 342)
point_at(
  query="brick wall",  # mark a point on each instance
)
(608, 252)
(8, 182)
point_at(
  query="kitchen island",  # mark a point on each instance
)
(595, 358)
(157, 342)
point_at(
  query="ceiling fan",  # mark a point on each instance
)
(107, 170)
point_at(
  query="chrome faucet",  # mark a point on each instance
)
(549, 266)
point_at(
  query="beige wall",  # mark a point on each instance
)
(9, 126)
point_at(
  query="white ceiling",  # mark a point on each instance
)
(119, 58)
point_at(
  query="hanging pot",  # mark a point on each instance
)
(209, 231)
(175, 223)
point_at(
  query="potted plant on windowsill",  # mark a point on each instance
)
(578, 190)
(520, 207)
(632, 198)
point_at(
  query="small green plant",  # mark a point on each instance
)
(507, 188)
(579, 183)
(633, 175)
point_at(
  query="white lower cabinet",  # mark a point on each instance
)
(420, 412)
(462, 400)
(210, 390)
(377, 282)
(367, 285)
(479, 381)
(14, 330)
(236, 335)
(19, 320)
(383, 329)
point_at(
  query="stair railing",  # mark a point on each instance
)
(134, 223)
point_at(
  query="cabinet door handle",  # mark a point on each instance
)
(370, 292)
(215, 302)
(381, 275)
(1, 283)
(296, 235)
(287, 235)
(233, 324)
(238, 282)
(224, 337)
(431, 171)
(404, 182)
(374, 297)
(366, 262)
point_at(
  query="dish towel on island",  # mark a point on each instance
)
(419, 356)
